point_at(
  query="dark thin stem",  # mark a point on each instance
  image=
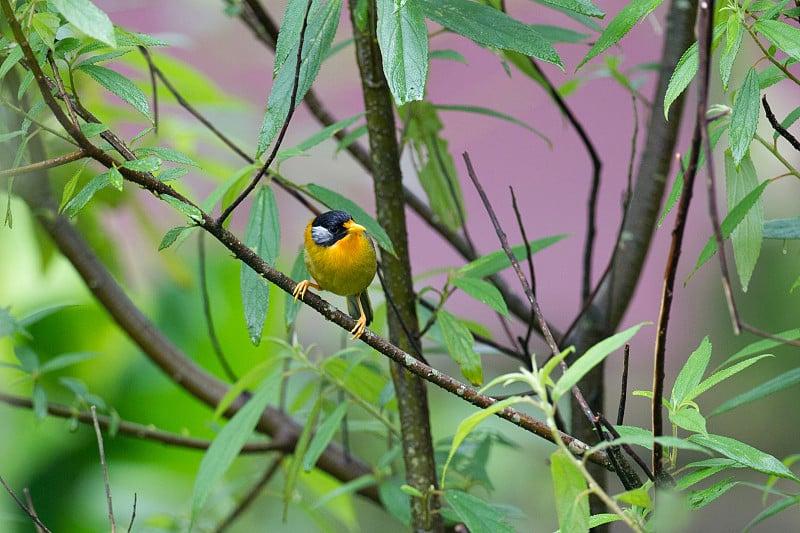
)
(104, 468)
(531, 271)
(537, 312)
(29, 501)
(44, 165)
(282, 133)
(21, 505)
(133, 514)
(251, 495)
(131, 429)
(204, 297)
(630, 451)
(623, 387)
(776, 125)
(704, 48)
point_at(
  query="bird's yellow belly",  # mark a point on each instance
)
(347, 268)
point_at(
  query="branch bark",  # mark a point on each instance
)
(410, 390)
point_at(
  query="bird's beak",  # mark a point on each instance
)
(355, 228)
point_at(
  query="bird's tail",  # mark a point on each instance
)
(352, 306)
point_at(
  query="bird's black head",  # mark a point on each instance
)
(329, 227)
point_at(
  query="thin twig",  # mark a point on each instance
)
(531, 271)
(44, 165)
(282, 133)
(209, 318)
(132, 429)
(630, 451)
(133, 514)
(623, 387)
(251, 495)
(104, 467)
(777, 126)
(21, 505)
(29, 501)
(704, 40)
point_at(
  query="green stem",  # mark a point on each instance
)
(410, 390)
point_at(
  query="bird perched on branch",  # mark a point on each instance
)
(341, 259)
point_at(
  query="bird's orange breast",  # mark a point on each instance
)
(347, 267)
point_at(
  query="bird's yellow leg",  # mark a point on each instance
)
(361, 323)
(302, 287)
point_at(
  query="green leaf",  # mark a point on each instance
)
(69, 187)
(692, 478)
(65, 360)
(13, 57)
(782, 35)
(80, 200)
(495, 114)
(722, 375)
(437, 172)
(449, 55)
(748, 235)
(167, 154)
(115, 178)
(171, 236)
(733, 42)
(299, 272)
(121, 86)
(170, 174)
(335, 200)
(226, 447)
(263, 235)
(744, 116)
(39, 400)
(471, 422)
(557, 34)
(90, 129)
(689, 419)
(317, 138)
(484, 292)
(701, 498)
(86, 16)
(778, 383)
(323, 436)
(686, 69)
(772, 510)
(8, 323)
(582, 7)
(148, 163)
(490, 27)
(735, 216)
(744, 454)
(638, 496)
(782, 228)
(620, 25)
(319, 34)
(591, 358)
(763, 344)
(289, 33)
(46, 25)
(477, 515)
(498, 260)
(460, 346)
(571, 493)
(395, 500)
(403, 40)
(691, 374)
(189, 210)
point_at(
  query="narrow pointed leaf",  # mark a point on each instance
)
(778, 383)
(749, 234)
(86, 16)
(782, 35)
(498, 260)
(323, 435)
(263, 237)
(290, 27)
(121, 86)
(490, 27)
(722, 375)
(319, 34)
(782, 228)
(477, 515)
(592, 358)
(744, 116)
(691, 373)
(744, 454)
(570, 488)
(461, 346)
(80, 200)
(226, 446)
(484, 292)
(403, 39)
(620, 25)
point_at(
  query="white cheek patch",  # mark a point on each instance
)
(322, 236)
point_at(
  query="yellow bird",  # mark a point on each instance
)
(341, 259)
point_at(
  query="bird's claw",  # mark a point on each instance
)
(300, 289)
(359, 328)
